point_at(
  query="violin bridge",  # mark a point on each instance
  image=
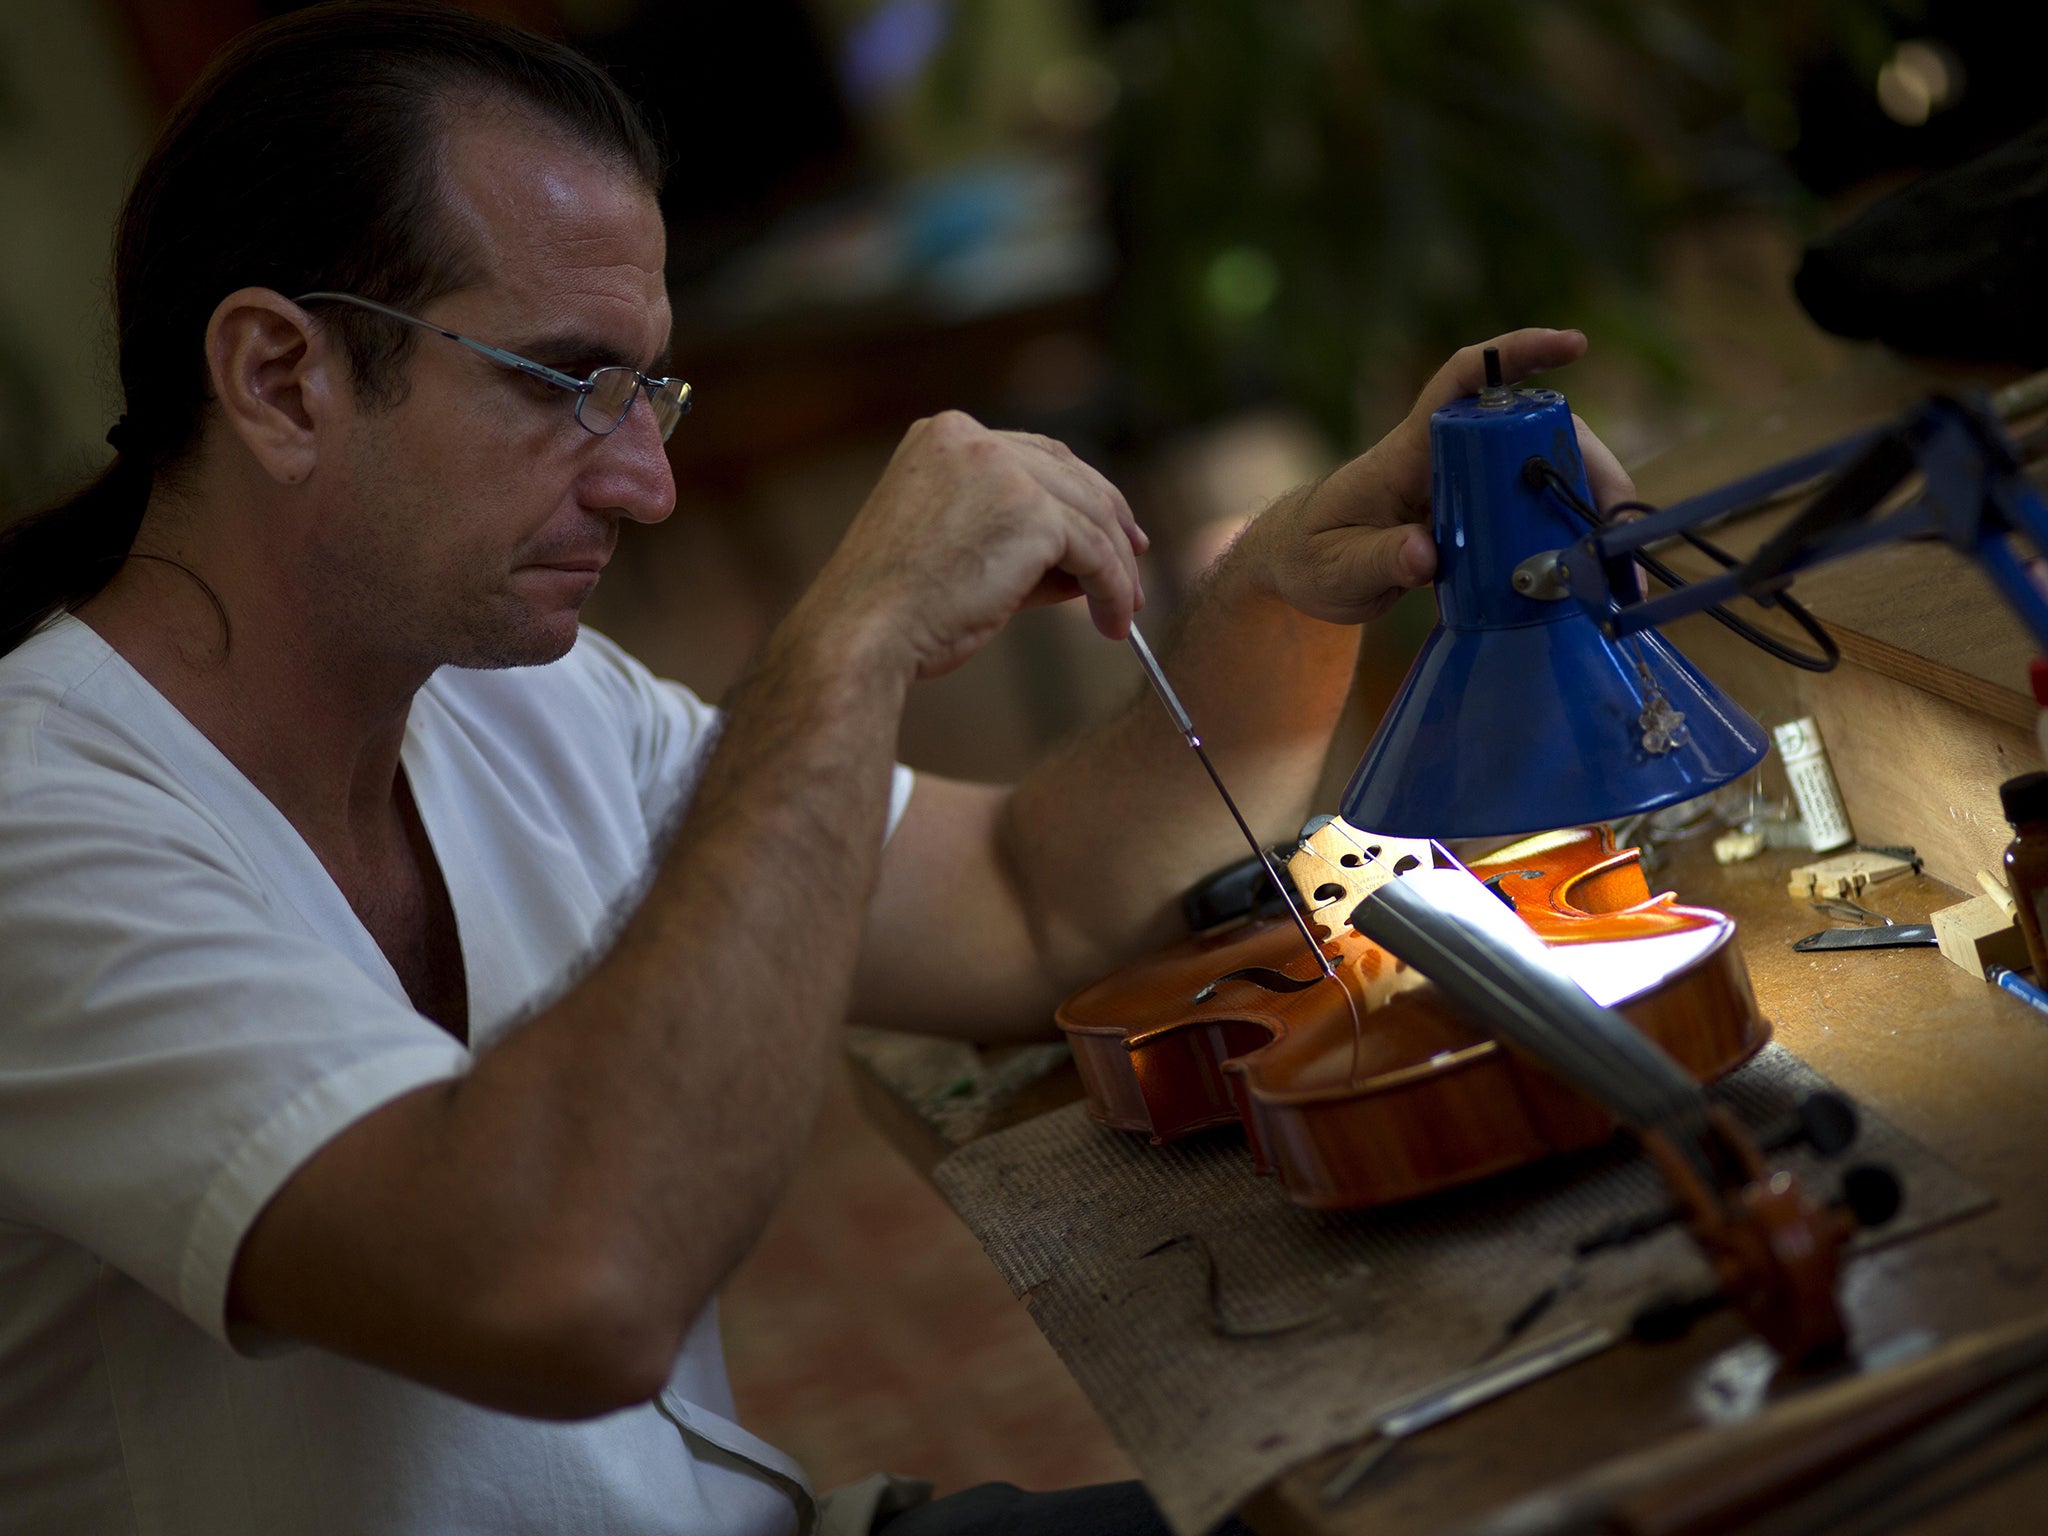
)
(1337, 866)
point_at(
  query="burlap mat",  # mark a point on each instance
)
(1160, 1273)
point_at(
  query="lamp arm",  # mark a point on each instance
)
(1709, 507)
(1975, 496)
(2009, 574)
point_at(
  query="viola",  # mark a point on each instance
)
(1381, 1085)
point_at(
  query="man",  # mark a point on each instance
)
(318, 815)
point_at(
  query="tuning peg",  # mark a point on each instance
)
(1827, 1123)
(1872, 1194)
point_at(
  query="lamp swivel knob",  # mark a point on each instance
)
(1496, 393)
(1541, 577)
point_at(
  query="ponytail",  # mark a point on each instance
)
(54, 560)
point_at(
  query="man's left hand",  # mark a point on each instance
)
(1345, 548)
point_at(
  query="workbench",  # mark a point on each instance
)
(1924, 718)
(1955, 1062)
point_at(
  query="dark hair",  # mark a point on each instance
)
(306, 157)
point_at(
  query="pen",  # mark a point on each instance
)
(2019, 987)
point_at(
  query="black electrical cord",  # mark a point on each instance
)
(1540, 473)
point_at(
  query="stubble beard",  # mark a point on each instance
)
(390, 592)
(533, 643)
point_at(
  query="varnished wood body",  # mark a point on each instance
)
(1420, 1099)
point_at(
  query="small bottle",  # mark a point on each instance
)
(2026, 859)
(1813, 784)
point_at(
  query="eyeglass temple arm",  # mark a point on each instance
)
(511, 360)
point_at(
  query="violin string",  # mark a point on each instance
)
(1357, 1026)
(1186, 727)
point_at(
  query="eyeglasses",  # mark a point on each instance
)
(602, 399)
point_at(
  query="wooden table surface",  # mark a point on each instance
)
(1955, 1062)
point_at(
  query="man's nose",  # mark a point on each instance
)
(631, 472)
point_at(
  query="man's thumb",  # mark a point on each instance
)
(1379, 564)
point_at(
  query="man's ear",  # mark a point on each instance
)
(275, 378)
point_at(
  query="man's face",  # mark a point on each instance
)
(478, 512)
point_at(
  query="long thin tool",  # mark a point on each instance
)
(1186, 727)
(1468, 1389)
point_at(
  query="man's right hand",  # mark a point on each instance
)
(967, 526)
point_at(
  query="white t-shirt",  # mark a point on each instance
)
(191, 1008)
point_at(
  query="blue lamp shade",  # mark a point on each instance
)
(1519, 715)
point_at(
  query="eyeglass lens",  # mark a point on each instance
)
(604, 405)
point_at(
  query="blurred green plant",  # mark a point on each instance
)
(1321, 193)
(1318, 194)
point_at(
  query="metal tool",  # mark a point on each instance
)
(1186, 727)
(1467, 1389)
(1850, 911)
(1891, 936)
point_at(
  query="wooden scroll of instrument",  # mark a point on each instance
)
(1533, 1031)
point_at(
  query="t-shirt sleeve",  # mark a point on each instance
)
(174, 1044)
(672, 731)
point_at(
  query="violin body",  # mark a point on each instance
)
(1408, 1097)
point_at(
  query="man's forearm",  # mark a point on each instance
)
(704, 1038)
(540, 1234)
